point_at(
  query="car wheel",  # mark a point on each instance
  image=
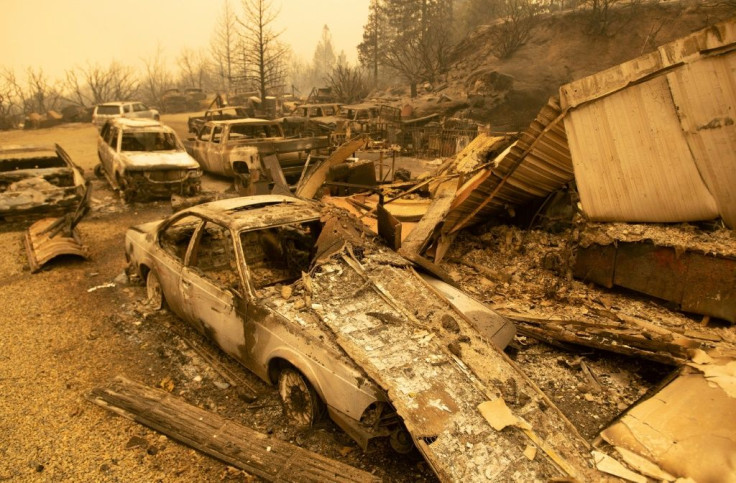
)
(153, 291)
(302, 405)
(99, 171)
(126, 193)
(401, 441)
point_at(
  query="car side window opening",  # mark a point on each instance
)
(279, 254)
(204, 134)
(214, 257)
(112, 137)
(148, 141)
(128, 108)
(175, 238)
(217, 134)
(139, 107)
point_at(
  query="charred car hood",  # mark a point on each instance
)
(159, 160)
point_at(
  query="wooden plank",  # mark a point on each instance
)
(595, 264)
(628, 339)
(699, 283)
(315, 178)
(417, 240)
(650, 269)
(710, 287)
(277, 175)
(237, 445)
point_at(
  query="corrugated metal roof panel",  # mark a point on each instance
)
(537, 164)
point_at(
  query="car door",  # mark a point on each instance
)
(107, 148)
(174, 240)
(211, 287)
(200, 147)
(216, 156)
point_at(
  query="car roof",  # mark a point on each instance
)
(250, 120)
(258, 211)
(118, 103)
(126, 122)
(321, 104)
(17, 151)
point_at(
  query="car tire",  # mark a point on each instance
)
(302, 405)
(99, 171)
(126, 193)
(154, 292)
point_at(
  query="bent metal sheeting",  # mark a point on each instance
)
(654, 139)
(537, 164)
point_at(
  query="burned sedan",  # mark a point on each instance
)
(145, 157)
(38, 180)
(244, 272)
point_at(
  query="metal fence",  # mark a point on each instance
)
(436, 142)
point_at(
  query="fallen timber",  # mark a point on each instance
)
(237, 445)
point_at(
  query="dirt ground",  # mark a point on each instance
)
(64, 332)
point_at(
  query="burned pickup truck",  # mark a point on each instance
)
(251, 273)
(196, 123)
(143, 157)
(38, 180)
(253, 151)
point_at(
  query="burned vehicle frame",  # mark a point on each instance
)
(212, 265)
(38, 180)
(144, 157)
(244, 272)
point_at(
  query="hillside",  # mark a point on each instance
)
(508, 94)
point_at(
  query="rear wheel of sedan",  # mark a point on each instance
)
(302, 405)
(153, 291)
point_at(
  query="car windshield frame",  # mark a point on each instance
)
(108, 110)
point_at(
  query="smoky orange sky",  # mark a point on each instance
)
(56, 35)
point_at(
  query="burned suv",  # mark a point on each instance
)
(145, 158)
(112, 110)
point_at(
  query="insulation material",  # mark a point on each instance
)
(687, 428)
(654, 139)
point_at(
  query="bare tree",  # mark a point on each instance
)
(11, 100)
(518, 18)
(600, 16)
(347, 83)
(40, 96)
(224, 46)
(95, 84)
(193, 70)
(158, 78)
(266, 55)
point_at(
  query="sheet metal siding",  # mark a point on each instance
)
(704, 94)
(545, 167)
(632, 162)
(643, 121)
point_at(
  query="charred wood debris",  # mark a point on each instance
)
(623, 313)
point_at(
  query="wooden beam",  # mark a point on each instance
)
(257, 453)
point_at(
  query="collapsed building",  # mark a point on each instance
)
(637, 163)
